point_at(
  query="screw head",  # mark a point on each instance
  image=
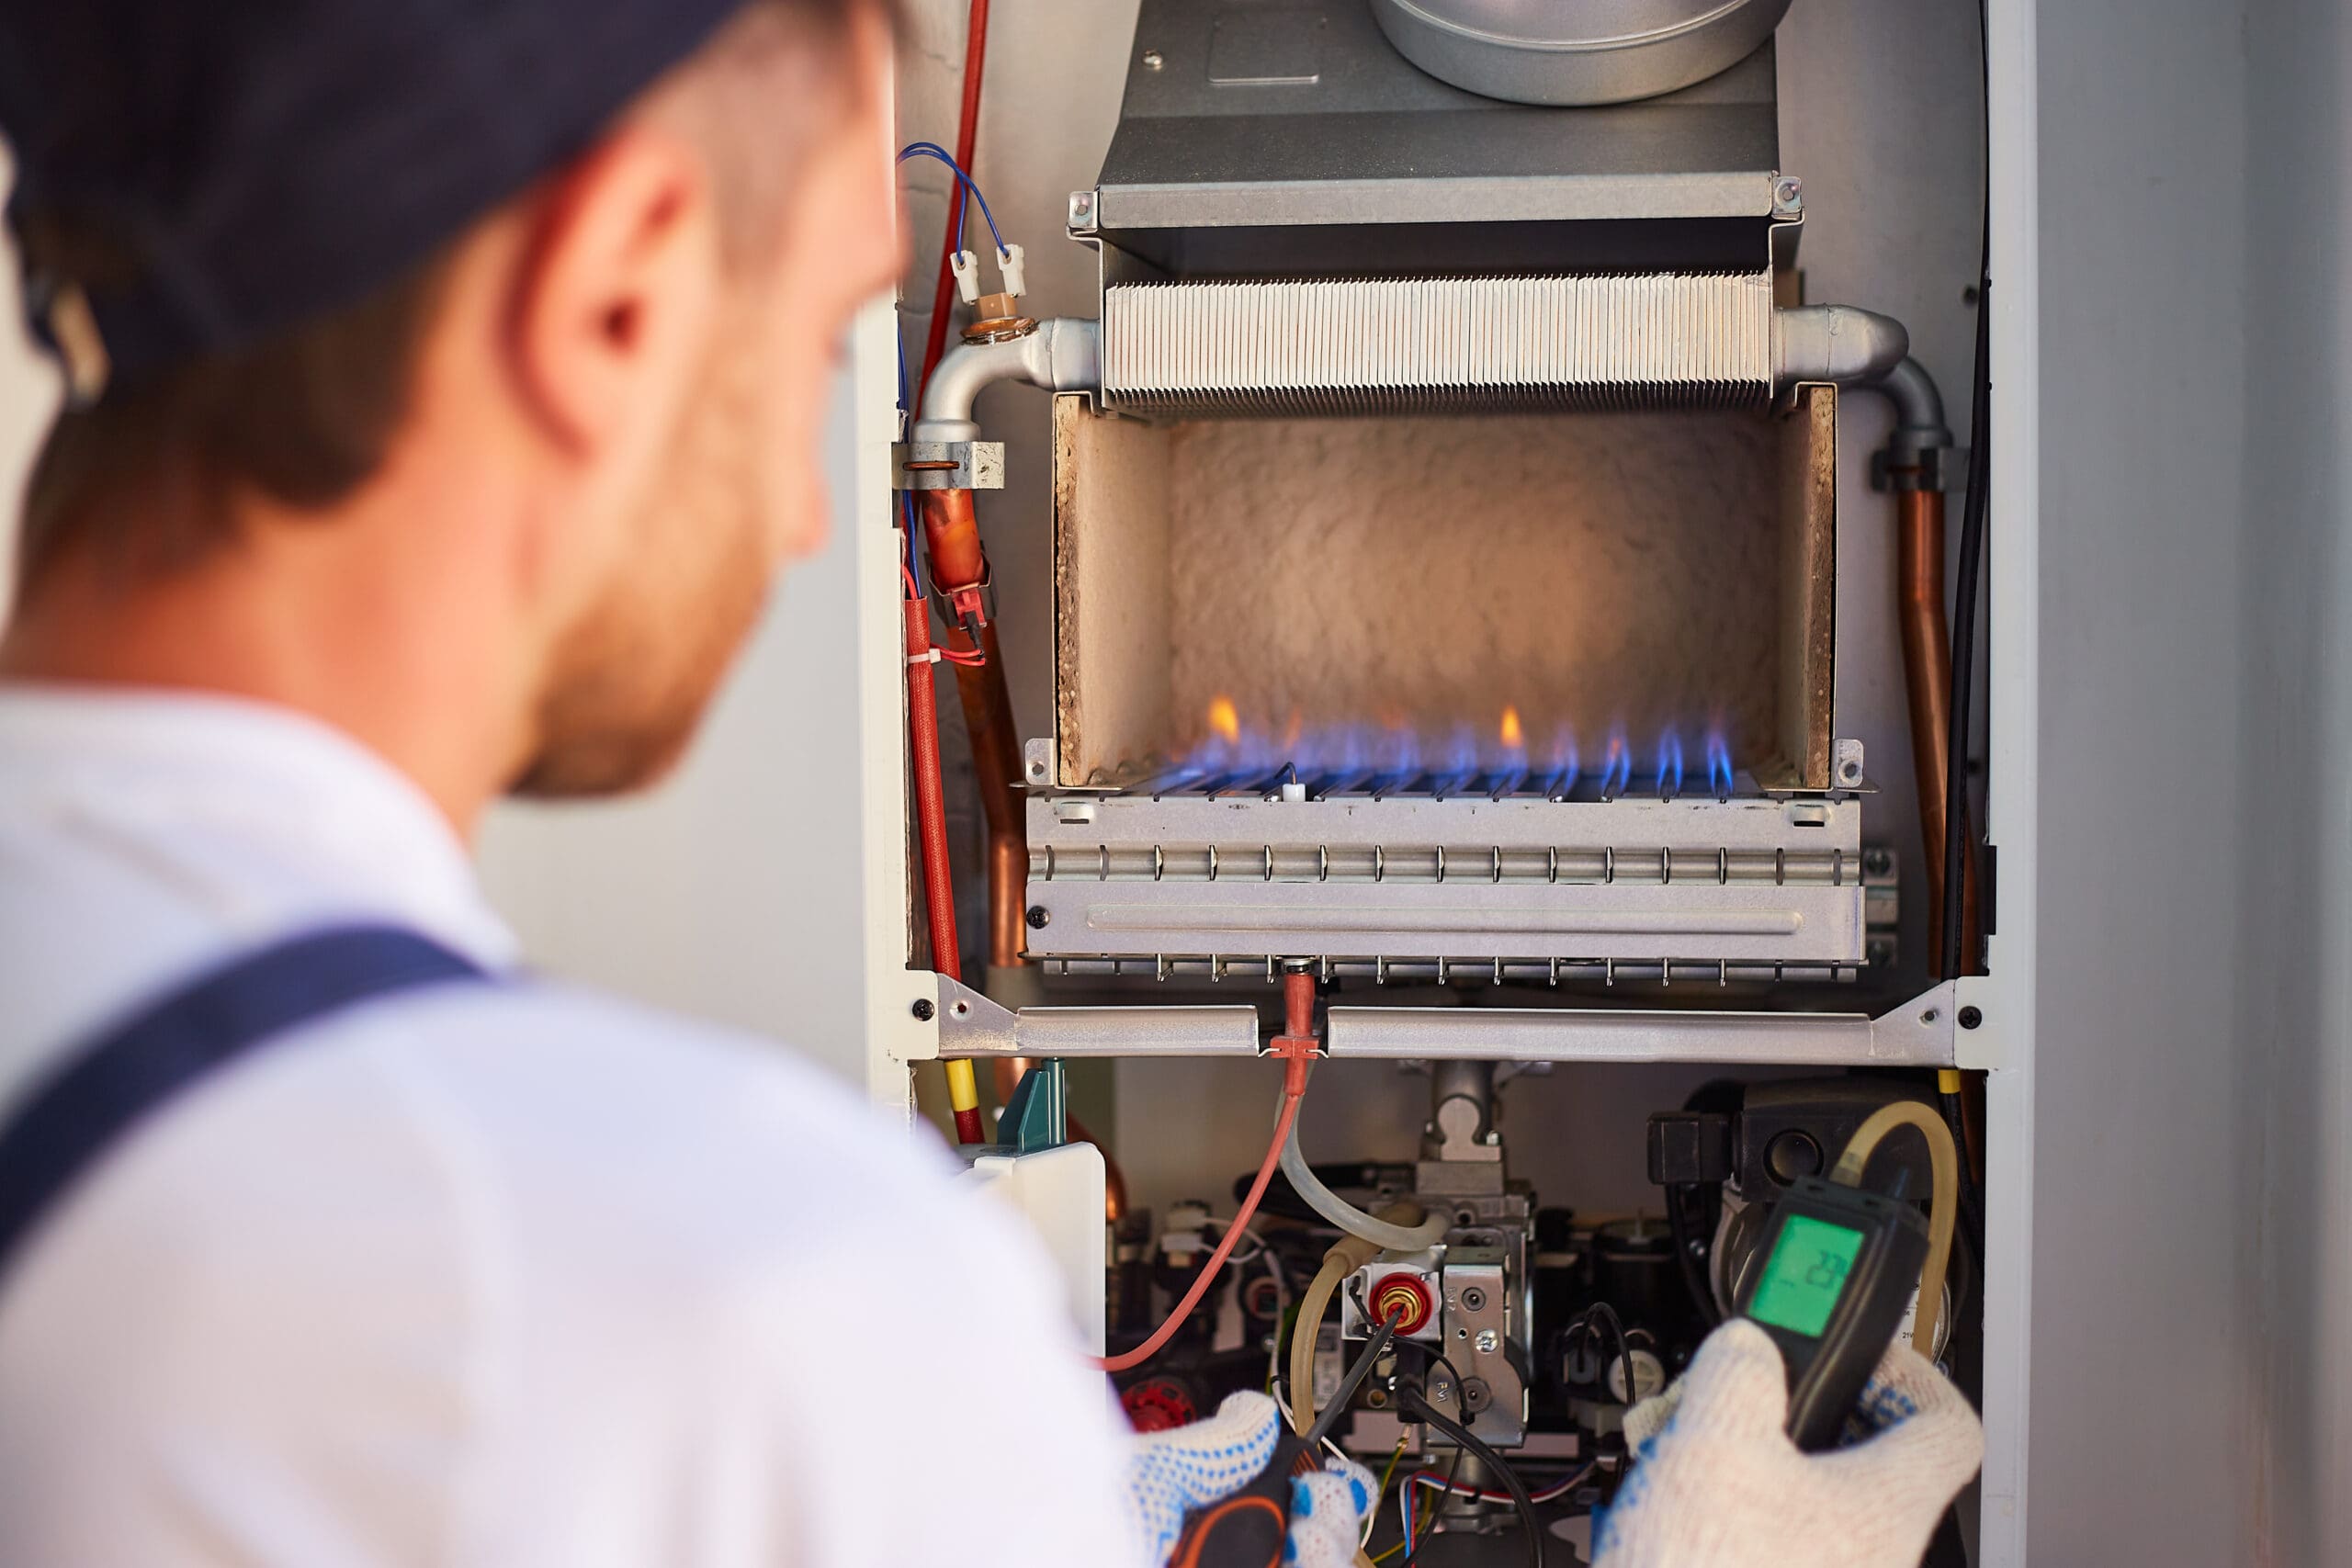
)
(1037, 916)
(922, 1008)
(1969, 1017)
(1487, 1341)
(1788, 192)
(1152, 61)
(1876, 861)
(1850, 770)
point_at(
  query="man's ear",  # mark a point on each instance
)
(617, 289)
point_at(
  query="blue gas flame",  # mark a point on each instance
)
(1670, 763)
(1563, 776)
(1719, 775)
(1616, 766)
(1391, 756)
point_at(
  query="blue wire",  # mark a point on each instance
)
(933, 150)
(914, 560)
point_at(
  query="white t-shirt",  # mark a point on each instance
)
(506, 1274)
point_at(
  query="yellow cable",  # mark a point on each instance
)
(963, 1089)
(1942, 1213)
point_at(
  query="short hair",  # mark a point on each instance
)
(145, 478)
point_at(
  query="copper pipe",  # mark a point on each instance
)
(951, 536)
(952, 540)
(1926, 667)
(995, 760)
(1006, 1072)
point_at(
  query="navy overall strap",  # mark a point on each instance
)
(110, 1085)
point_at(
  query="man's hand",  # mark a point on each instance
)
(1171, 1473)
(1718, 1484)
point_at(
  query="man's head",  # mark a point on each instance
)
(576, 441)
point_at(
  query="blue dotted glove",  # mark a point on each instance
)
(1716, 1484)
(1171, 1473)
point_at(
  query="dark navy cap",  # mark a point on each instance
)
(262, 161)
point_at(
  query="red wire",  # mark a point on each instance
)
(922, 712)
(967, 130)
(1294, 1088)
(931, 812)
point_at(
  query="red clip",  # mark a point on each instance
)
(1297, 1045)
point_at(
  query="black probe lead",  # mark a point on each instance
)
(1372, 1350)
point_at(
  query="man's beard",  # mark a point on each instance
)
(632, 677)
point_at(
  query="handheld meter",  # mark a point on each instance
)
(1839, 1269)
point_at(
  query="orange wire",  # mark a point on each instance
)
(1294, 1089)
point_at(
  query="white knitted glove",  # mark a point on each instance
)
(1718, 1484)
(1170, 1472)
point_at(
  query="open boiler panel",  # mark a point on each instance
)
(1457, 648)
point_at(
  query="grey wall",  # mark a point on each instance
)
(2139, 1338)
(2191, 1400)
(2293, 751)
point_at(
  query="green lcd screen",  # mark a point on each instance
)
(1806, 1275)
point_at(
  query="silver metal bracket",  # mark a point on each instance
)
(947, 465)
(972, 1025)
(1037, 761)
(1918, 1034)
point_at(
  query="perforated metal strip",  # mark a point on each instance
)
(1350, 345)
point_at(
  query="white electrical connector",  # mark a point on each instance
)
(1012, 264)
(967, 266)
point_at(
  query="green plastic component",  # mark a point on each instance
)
(1037, 1116)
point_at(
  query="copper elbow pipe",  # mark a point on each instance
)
(951, 535)
(1926, 667)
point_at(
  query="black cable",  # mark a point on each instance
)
(1972, 554)
(1972, 1200)
(1616, 1330)
(1678, 1224)
(1372, 1350)
(1420, 1409)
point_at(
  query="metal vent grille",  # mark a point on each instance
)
(1473, 344)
